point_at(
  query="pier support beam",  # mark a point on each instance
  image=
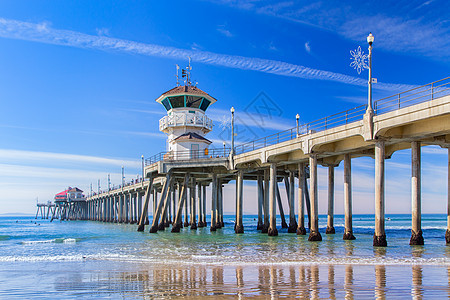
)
(219, 221)
(265, 228)
(204, 205)
(447, 233)
(194, 206)
(301, 208)
(260, 189)
(239, 226)
(291, 200)
(379, 237)
(200, 205)
(280, 206)
(416, 230)
(164, 195)
(314, 234)
(177, 223)
(272, 195)
(330, 217)
(214, 202)
(348, 231)
(144, 213)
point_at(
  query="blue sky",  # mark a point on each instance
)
(78, 80)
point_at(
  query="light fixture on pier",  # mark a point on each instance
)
(142, 159)
(297, 117)
(224, 152)
(232, 131)
(370, 39)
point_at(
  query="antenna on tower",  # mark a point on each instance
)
(177, 76)
(189, 68)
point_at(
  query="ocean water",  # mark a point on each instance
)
(87, 259)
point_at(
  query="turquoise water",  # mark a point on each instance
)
(92, 259)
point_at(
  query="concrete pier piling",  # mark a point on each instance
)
(348, 231)
(280, 207)
(301, 208)
(265, 228)
(379, 237)
(272, 231)
(447, 232)
(177, 223)
(416, 230)
(144, 214)
(330, 217)
(194, 206)
(239, 226)
(291, 200)
(214, 203)
(314, 234)
(260, 197)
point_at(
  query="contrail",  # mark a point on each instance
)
(43, 33)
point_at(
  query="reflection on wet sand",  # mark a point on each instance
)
(264, 281)
(380, 281)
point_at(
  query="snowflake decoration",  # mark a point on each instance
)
(225, 122)
(359, 60)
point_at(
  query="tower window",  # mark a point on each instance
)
(205, 104)
(166, 104)
(177, 101)
(193, 101)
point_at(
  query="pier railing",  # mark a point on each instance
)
(413, 96)
(410, 97)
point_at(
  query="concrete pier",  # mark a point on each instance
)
(348, 231)
(301, 208)
(268, 160)
(379, 237)
(314, 234)
(330, 217)
(416, 230)
(272, 231)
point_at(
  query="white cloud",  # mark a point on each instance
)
(307, 47)
(31, 32)
(25, 157)
(102, 31)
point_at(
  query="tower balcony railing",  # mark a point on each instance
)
(188, 155)
(185, 119)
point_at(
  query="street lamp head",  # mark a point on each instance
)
(370, 38)
(232, 110)
(142, 156)
(297, 117)
(224, 144)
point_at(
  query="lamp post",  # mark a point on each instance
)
(224, 152)
(232, 131)
(123, 179)
(109, 183)
(370, 39)
(296, 119)
(142, 162)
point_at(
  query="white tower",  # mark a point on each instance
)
(186, 122)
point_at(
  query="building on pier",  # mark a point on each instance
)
(186, 123)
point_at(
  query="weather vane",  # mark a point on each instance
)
(359, 60)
